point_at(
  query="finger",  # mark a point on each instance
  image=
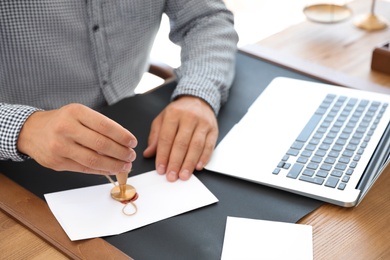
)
(107, 127)
(179, 150)
(194, 153)
(76, 167)
(104, 145)
(199, 152)
(92, 160)
(165, 141)
(208, 149)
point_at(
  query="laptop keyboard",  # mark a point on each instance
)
(330, 146)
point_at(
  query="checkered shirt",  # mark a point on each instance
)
(94, 52)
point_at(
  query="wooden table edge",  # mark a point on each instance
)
(310, 69)
(34, 213)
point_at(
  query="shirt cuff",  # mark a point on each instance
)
(12, 118)
(210, 94)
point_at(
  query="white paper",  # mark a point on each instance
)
(260, 239)
(91, 212)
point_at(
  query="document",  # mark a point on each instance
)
(260, 239)
(92, 212)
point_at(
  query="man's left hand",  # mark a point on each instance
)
(182, 137)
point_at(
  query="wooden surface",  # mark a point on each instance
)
(338, 52)
(35, 215)
(356, 233)
(18, 242)
(341, 47)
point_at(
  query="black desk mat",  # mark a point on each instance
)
(197, 234)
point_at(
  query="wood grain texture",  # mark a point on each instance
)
(35, 214)
(362, 232)
(341, 47)
(18, 242)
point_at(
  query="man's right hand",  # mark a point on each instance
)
(77, 138)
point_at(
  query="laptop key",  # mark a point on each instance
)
(297, 145)
(331, 182)
(322, 174)
(295, 170)
(292, 152)
(306, 153)
(302, 160)
(308, 172)
(315, 180)
(341, 186)
(309, 128)
(336, 173)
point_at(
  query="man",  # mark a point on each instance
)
(59, 60)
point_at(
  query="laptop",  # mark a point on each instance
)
(321, 141)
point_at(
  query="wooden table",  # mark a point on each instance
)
(340, 53)
(342, 48)
(18, 242)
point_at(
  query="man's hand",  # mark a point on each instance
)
(77, 138)
(182, 137)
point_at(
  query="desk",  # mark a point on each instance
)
(339, 233)
(341, 48)
(18, 242)
(341, 53)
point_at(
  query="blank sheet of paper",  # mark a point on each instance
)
(91, 212)
(260, 239)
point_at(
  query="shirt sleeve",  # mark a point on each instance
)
(204, 29)
(12, 118)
